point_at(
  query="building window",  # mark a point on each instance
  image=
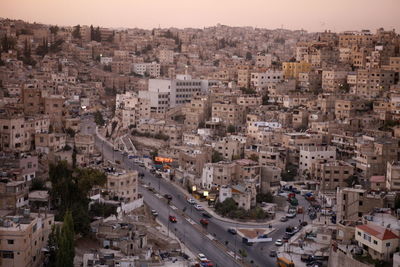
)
(7, 254)
(375, 242)
(10, 241)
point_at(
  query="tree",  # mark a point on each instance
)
(37, 184)
(69, 191)
(249, 56)
(231, 128)
(265, 197)
(54, 29)
(7, 43)
(70, 132)
(216, 156)
(254, 157)
(52, 244)
(66, 244)
(76, 33)
(74, 153)
(265, 100)
(98, 118)
(42, 49)
(226, 206)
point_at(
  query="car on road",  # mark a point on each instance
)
(273, 253)
(172, 219)
(198, 207)
(232, 231)
(168, 196)
(191, 201)
(204, 222)
(154, 213)
(314, 264)
(151, 189)
(207, 215)
(202, 257)
(278, 242)
(284, 219)
(290, 215)
(304, 223)
(286, 238)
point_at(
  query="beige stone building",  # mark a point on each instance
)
(354, 203)
(229, 148)
(228, 113)
(123, 186)
(393, 176)
(371, 83)
(332, 175)
(24, 238)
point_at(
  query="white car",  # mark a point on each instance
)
(191, 201)
(202, 257)
(278, 242)
(198, 207)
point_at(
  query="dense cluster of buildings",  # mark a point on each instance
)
(238, 110)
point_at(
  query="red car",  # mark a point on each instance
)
(172, 219)
(204, 222)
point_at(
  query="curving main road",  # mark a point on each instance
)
(196, 237)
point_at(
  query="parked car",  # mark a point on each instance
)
(284, 219)
(202, 257)
(303, 223)
(232, 231)
(154, 212)
(207, 215)
(204, 222)
(191, 201)
(291, 215)
(172, 219)
(198, 207)
(273, 253)
(278, 242)
(168, 196)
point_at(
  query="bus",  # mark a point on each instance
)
(283, 262)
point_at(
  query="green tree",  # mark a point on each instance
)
(249, 56)
(231, 128)
(7, 43)
(98, 118)
(42, 49)
(69, 191)
(227, 206)
(74, 153)
(265, 197)
(52, 244)
(216, 156)
(54, 29)
(265, 99)
(76, 33)
(66, 243)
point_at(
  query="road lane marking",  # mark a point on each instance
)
(173, 207)
(190, 221)
(158, 195)
(210, 237)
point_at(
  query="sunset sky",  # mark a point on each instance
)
(311, 15)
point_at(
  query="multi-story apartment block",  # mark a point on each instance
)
(24, 238)
(372, 155)
(263, 60)
(13, 134)
(332, 174)
(217, 174)
(293, 69)
(311, 155)
(123, 185)
(348, 108)
(229, 148)
(371, 83)
(228, 113)
(166, 56)
(244, 76)
(197, 111)
(333, 80)
(150, 69)
(354, 203)
(393, 176)
(262, 79)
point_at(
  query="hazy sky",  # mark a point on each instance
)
(311, 15)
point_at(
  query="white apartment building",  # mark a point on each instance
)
(309, 155)
(262, 79)
(164, 94)
(151, 69)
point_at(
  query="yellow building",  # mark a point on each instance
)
(292, 69)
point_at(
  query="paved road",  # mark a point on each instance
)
(257, 255)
